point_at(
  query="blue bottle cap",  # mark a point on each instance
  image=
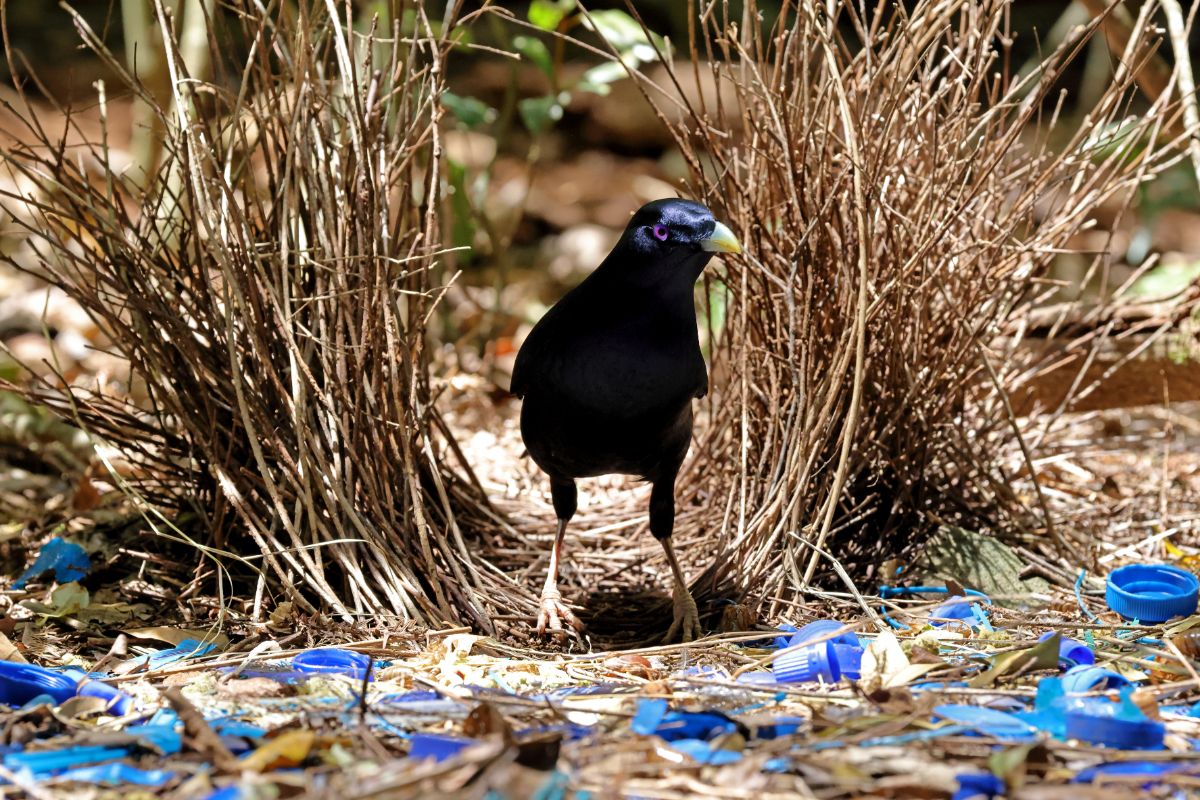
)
(1071, 653)
(849, 658)
(1152, 593)
(823, 627)
(1103, 723)
(1088, 678)
(806, 663)
(335, 660)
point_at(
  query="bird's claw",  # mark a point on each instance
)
(686, 625)
(553, 613)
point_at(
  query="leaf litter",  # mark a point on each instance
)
(957, 695)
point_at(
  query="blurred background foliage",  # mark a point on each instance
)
(549, 147)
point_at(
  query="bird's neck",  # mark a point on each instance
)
(669, 286)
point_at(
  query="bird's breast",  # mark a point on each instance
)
(612, 406)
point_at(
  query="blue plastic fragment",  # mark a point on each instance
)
(231, 792)
(988, 721)
(117, 702)
(709, 671)
(973, 786)
(782, 641)
(757, 678)
(419, 696)
(776, 727)
(437, 746)
(957, 610)
(229, 726)
(849, 659)
(703, 725)
(48, 762)
(1086, 678)
(703, 752)
(1152, 593)
(554, 787)
(1049, 707)
(188, 648)
(1148, 769)
(67, 560)
(652, 717)
(39, 700)
(647, 716)
(1071, 653)
(285, 675)
(334, 660)
(164, 738)
(1121, 725)
(20, 683)
(117, 773)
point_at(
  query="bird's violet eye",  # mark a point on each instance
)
(661, 232)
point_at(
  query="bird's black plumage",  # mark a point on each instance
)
(609, 373)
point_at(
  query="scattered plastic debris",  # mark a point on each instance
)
(773, 705)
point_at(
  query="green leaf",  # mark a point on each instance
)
(70, 598)
(470, 111)
(462, 222)
(600, 76)
(1043, 655)
(547, 14)
(534, 50)
(1166, 280)
(539, 113)
(625, 34)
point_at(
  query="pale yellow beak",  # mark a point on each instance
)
(721, 240)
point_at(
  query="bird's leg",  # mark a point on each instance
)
(686, 623)
(552, 612)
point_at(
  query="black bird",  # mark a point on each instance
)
(608, 376)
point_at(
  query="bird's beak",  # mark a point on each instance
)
(721, 240)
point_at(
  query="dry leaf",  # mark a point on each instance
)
(9, 651)
(176, 636)
(1043, 655)
(87, 496)
(288, 749)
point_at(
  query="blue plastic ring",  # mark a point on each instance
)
(1087, 678)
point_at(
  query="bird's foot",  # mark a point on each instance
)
(686, 626)
(553, 613)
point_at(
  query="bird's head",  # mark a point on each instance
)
(672, 239)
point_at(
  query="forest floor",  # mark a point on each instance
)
(213, 694)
